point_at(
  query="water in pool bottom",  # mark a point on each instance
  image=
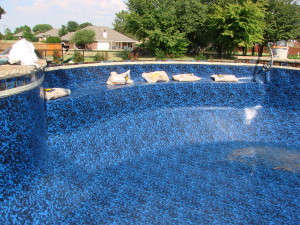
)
(194, 180)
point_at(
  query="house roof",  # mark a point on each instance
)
(50, 33)
(112, 35)
(20, 34)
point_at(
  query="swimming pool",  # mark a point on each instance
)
(166, 153)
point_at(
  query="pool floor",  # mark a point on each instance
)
(168, 166)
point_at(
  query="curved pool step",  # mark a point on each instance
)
(87, 105)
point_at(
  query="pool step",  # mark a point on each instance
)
(86, 106)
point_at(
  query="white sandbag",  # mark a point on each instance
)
(186, 77)
(23, 51)
(122, 78)
(156, 76)
(54, 93)
(224, 78)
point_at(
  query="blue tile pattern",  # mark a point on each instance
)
(20, 81)
(165, 153)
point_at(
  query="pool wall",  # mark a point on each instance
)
(215, 112)
(92, 99)
(22, 138)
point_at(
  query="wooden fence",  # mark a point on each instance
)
(45, 49)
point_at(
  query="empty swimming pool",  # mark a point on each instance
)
(166, 153)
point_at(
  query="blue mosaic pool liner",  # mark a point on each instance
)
(152, 153)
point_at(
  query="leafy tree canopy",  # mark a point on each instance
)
(83, 37)
(234, 25)
(53, 40)
(62, 31)
(22, 28)
(72, 26)
(83, 25)
(155, 23)
(41, 28)
(282, 20)
(224, 24)
(9, 35)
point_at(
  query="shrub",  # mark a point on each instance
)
(103, 56)
(78, 57)
(125, 55)
(53, 40)
(128, 55)
(201, 56)
(56, 56)
(160, 55)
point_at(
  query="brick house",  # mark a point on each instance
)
(106, 39)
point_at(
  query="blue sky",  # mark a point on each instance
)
(58, 12)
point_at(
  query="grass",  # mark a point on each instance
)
(116, 56)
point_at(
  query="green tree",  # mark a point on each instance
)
(9, 35)
(191, 16)
(83, 25)
(150, 22)
(41, 28)
(53, 40)
(233, 25)
(119, 23)
(72, 26)
(27, 34)
(62, 31)
(22, 29)
(282, 20)
(83, 37)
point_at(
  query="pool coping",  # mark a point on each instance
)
(62, 67)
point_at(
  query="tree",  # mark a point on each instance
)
(53, 40)
(191, 17)
(282, 20)
(62, 31)
(41, 28)
(83, 25)
(83, 37)
(9, 35)
(150, 22)
(72, 26)
(22, 28)
(119, 23)
(233, 25)
(27, 34)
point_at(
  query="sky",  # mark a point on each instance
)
(58, 12)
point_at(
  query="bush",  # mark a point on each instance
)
(53, 40)
(126, 55)
(200, 56)
(56, 56)
(78, 57)
(103, 56)
(160, 55)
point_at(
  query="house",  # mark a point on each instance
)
(19, 35)
(106, 39)
(50, 33)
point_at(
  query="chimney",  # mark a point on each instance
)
(104, 34)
